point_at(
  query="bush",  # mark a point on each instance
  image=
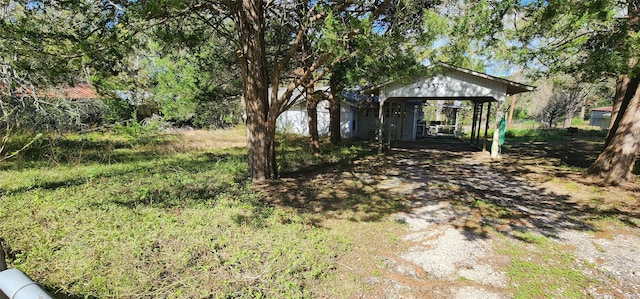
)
(54, 115)
(144, 132)
(518, 133)
(118, 110)
(218, 114)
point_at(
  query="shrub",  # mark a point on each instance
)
(118, 110)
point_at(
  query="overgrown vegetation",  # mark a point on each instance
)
(144, 214)
(118, 216)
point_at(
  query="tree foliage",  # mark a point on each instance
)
(50, 45)
(203, 46)
(593, 39)
(291, 43)
(190, 91)
(560, 97)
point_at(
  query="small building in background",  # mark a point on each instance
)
(294, 120)
(601, 117)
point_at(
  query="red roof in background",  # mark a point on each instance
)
(603, 109)
(78, 91)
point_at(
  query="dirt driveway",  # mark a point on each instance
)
(512, 227)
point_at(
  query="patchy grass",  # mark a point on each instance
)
(540, 134)
(106, 216)
(175, 216)
(541, 268)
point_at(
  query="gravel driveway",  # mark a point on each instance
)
(465, 215)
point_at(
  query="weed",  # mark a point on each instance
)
(597, 200)
(530, 237)
(598, 247)
(572, 186)
(156, 220)
(547, 272)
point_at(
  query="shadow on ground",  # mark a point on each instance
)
(482, 197)
(345, 189)
(411, 177)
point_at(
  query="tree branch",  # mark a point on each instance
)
(279, 104)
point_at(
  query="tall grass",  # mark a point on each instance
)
(105, 216)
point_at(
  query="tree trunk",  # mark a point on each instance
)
(334, 110)
(253, 59)
(621, 92)
(312, 119)
(495, 140)
(272, 164)
(512, 107)
(616, 161)
(568, 121)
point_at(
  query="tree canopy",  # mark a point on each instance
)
(591, 40)
(297, 43)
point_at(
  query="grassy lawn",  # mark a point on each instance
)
(171, 216)
(175, 216)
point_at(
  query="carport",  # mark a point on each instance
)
(400, 100)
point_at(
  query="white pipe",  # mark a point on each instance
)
(17, 285)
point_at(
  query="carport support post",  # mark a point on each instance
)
(381, 121)
(486, 127)
(473, 122)
(456, 132)
(495, 142)
(479, 125)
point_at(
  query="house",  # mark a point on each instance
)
(392, 111)
(80, 91)
(601, 117)
(358, 115)
(295, 121)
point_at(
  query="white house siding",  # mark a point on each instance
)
(366, 123)
(393, 120)
(345, 121)
(295, 120)
(399, 122)
(402, 121)
(323, 122)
